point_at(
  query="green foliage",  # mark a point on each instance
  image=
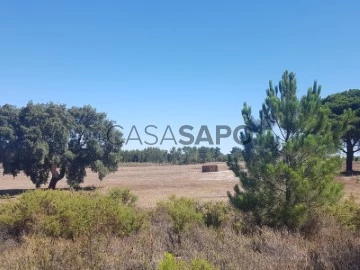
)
(170, 263)
(40, 139)
(215, 214)
(123, 196)
(185, 155)
(67, 214)
(183, 212)
(201, 264)
(345, 114)
(347, 213)
(290, 169)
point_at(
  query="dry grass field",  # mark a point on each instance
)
(156, 182)
(150, 182)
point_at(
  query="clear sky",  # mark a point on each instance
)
(173, 62)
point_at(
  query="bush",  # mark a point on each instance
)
(170, 263)
(201, 264)
(331, 247)
(183, 212)
(347, 213)
(123, 196)
(68, 214)
(215, 214)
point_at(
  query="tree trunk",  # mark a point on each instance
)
(55, 176)
(349, 161)
(349, 156)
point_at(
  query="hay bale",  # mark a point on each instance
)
(210, 168)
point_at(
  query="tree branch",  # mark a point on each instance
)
(277, 136)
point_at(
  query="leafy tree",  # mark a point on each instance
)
(174, 155)
(204, 153)
(290, 171)
(40, 139)
(185, 155)
(345, 112)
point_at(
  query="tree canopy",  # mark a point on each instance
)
(184, 155)
(289, 170)
(345, 113)
(44, 139)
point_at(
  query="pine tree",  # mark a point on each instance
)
(345, 113)
(289, 167)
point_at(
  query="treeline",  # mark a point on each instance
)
(184, 155)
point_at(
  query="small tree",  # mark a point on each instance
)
(40, 139)
(345, 112)
(290, 171)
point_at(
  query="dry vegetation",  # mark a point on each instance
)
(150, 183)
(179, 227)
(189, 229)
(153, 182)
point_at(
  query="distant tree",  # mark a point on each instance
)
(44, 139)
(203, 154)
(174, 155)
(188, 154)
(217, 155)
(290, 171)
(185, 155)
(345, 112)
(233, 159)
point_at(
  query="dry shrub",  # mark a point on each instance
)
(210, 168)
(334, 246)
(331, 247)
(266, 249)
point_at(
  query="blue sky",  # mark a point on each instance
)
(173, 62)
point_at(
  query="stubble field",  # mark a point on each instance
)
(152, 183)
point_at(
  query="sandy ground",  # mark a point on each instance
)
(154, 183)
(150, 183)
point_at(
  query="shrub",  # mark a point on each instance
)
(347, 213)
(67, 214)
(123, 196)
(215, 214)
(201, 264)
(170, 263)
(183, 212)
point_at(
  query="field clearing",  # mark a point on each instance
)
(156, 182)
(150, 182)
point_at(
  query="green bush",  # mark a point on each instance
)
(170, 263)
(347, 213)
(215, 214)
(201, 264)
(123, 196)
(183, 212)
(68, 214)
